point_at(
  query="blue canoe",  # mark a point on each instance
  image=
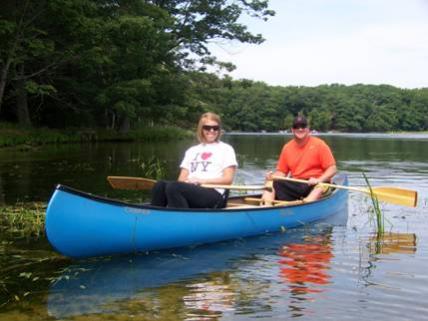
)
(82, 225)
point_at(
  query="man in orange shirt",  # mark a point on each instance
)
(304, 157)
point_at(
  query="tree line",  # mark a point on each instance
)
(254, 106)
(123, 64)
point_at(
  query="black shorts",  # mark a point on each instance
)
(290, 191)
(184, 195)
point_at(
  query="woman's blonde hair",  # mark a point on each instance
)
(205, 117)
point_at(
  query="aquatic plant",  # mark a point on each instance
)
(154, 168)
(23, 220)
(380, 219)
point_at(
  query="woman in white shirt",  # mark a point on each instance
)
(210, 162)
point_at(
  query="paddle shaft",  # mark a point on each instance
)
(296, 180)
(141, 183)
(395, 195)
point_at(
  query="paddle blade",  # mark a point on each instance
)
(131, 183)
(396, 195)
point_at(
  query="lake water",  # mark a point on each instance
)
(335, 270)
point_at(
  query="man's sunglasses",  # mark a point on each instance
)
(209, 128)
(300, 126)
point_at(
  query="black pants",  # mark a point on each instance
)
(184, 195)
(290, 191)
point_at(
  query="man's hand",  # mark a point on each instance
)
(314, 181)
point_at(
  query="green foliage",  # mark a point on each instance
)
(13, 135)
(115, 59)
(34, 88)
(288, 121)
(154, 168)
(23, 220)
(320, 119)
(160, 134)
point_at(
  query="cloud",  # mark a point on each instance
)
(387, 45)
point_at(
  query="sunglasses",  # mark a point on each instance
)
(209, 128)
(300, 126)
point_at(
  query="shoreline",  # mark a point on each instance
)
(16, 137)
(388, 135)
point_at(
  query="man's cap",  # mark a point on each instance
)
(300, 121)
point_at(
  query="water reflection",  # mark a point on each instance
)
(208, 300)
(204, 280)
(391, 243)
(382, 249)
(305, 266)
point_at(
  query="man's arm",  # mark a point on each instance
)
(325, 177)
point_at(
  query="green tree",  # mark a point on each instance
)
(381, 119)
(321, 119)
(288, 121)
(112, 58)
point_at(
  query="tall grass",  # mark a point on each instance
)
(13, 135)
(23, 220)
(380, 218)
(153, 168)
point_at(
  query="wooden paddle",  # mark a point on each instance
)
(394, 195)
(141, 183)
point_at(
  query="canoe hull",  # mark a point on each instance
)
(82, 225)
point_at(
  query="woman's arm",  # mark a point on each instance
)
(184, 174)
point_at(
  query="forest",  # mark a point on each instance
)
(129, 64)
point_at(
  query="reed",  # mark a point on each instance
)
(23, 220)
(153, 167)
(380, 218)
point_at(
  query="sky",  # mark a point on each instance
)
(315, 42)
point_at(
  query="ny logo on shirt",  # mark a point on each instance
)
(203, 161)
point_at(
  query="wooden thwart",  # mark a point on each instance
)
(275, 202)
(233, 206)
(255, 202)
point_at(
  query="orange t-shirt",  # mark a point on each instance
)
(309, 160)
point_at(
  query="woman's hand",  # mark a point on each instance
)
(194, 181)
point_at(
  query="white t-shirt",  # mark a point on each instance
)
(209, 160)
